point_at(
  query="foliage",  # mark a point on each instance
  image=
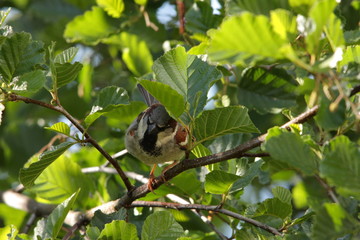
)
(234, 73)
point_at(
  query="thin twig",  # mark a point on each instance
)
(213, 208)
(14, 97)
(29, 223)
(328, 189)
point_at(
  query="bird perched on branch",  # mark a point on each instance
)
(155, 137)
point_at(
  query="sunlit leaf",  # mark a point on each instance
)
(66, 56)
(49, 227)
(254, 6)
(172, 100)
(188, 75)
(59, 180)
(284, 24)
(220, 121)
(289, 148)
(161, 226)
(334, 32)
(108, 99)
(219, 182)
(90, 27)
(67, 72)
(332, 221)
(30, 174)
(341, 166)
(120, 230)
(241, 40)
(113, 7)
(319, 14)
(135, 52)
(60, 127)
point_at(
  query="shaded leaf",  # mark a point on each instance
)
(29, 82)
(49, 227)
(241, 40)
(100, 219)
(120, 230)
(334, 32)
(19, 54)
(274, 207)
(200, 18)
(90, 27)
(282, 194)
(113, 7)
(188, 75)
(60, 127)
(67, 72)
(289, 148)
(161, 226)
(220, 121)
(109, 98)
(219, 182)
(172, 100)
(267, 90)
(250, 174)
(341, 166)
(30, 174)
(254, 6)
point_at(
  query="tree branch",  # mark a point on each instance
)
(186, 164)
(212, 208)
(14, 97)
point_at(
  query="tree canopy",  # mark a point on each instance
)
(267, 90)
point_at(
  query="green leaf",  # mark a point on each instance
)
(66, 56)
(330, 119)
(219, 182)
(2, 108)
(200, 151)
(109, 98)
(267, 90)
(90, 27)
(59, 180)
(161, 226)
(241, 39)
(19, 55)
(141, 2)
(30, 174)
(282, 194)
(67, 72)
(289, 148)
(113, 7)
(351, 54)
(274, 207)
(334, 32)
(284, 24)
(332, 222)
(319, 14)
(60, 127)
(92, 233)
(135, 52)
(352, 37)
(341, 166)
(254, 6)
(188, 75)
(250, 174)
(100, 219)
(220, 121)
(49, 227)
(171, 99)
(200, 18)
(302, 6)
(124, 116)
(29, 82)
(120, 230)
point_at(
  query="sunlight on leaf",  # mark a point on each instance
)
(113, 7)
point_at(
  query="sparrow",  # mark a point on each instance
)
(155, 137)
